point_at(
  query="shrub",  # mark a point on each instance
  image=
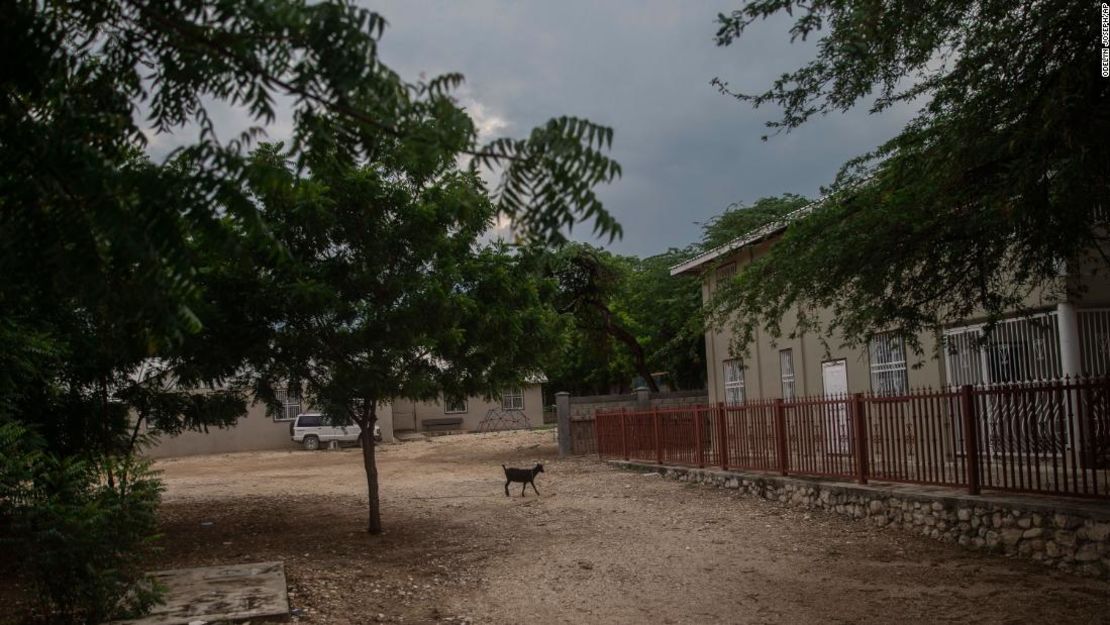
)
(78, 528)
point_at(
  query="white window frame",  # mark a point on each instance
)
(733, 381)
(888, 365)
(786, 374)
(447, 406)
(512, 398)
(290, 407)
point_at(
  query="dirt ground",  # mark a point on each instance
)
(597, 545)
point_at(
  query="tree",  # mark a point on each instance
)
(105, 254)
(995, 182)
(588, 278)
(636, 304)
(665, 313)
(741, 219)
(123, 283)
(388, 294)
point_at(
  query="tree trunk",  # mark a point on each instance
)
(368, 418)
(638, 358)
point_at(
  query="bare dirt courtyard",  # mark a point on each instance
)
(597, 546)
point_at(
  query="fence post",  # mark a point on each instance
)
(597, 432)
(971, 438)
(562, 413)
(698, 444)
(722, 435)
(859, 429)
(658, 440)
(780, 435)
(624, 436)
(642, 396)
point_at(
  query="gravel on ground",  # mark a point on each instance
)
(598, 545)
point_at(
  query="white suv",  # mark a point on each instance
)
(311, 429)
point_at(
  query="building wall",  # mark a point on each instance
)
(254, 432)
(762, 373)
(407, 415)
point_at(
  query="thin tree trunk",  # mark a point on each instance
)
(368, 418)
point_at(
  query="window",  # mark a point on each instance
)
(290, 405)
(786, 372)
(453, 406)
(725, 273)
(513, 399)
(888, 364)
(734, 382)
(309, 421)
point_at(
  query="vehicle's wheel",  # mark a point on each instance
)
(311, 443)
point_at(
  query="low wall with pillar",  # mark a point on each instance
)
(575, 414)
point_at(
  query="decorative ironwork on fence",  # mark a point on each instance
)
(1044, 437)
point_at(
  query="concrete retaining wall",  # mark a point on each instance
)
(1071, 535)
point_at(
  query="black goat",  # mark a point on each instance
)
(525, 476)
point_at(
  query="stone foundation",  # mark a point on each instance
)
(1071, 535)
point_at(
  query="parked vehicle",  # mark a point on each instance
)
(312, 429)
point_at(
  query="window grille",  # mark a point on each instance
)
(452, 406)
(786, 373)
(1094, 341)
(1024, 349)
(290, 405)
(734, 382)
(888, 364)
(513, 399)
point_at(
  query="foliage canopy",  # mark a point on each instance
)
(998, 180)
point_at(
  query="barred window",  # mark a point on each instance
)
(290, 405)
(786, 372)
(734, 381)
(451, 406)
(725, 273)
(513, 399)
(888, 364)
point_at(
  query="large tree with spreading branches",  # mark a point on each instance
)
(996, 185)
(123, 288)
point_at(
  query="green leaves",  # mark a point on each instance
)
(77, 531)
(982, 200)
(548, 179)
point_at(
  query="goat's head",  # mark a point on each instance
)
(538, 468)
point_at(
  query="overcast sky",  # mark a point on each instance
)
(642, 67)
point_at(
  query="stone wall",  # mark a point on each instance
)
(1070, 535)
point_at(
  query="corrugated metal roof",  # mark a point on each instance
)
(740, 242)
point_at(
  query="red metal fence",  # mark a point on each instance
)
(1046, 437)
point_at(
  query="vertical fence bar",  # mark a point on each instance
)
(699, 444)
(722, 436)
(597, 434)
(624, 436)
(658, 442)
(780, 436)
(859, 427)
(971, 438)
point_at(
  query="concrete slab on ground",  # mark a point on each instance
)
(409, 436)
(219, 593)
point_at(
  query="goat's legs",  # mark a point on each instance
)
(522, 488)
(534, 488)
(506, 488)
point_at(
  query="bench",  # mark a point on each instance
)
(444, 423)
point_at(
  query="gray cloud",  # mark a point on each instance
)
(643, 68)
